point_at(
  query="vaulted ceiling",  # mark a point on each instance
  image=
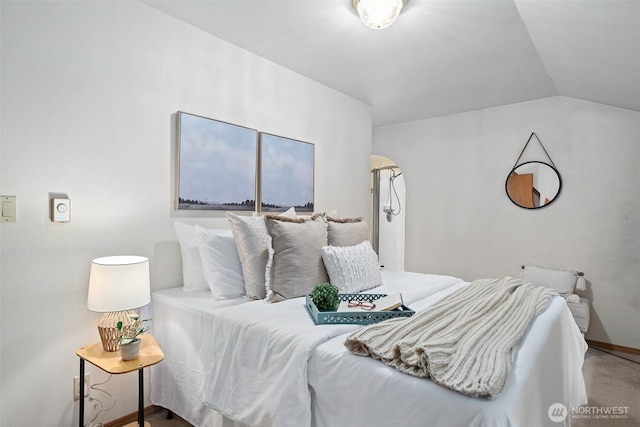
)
(441, 56)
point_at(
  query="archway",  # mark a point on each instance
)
(388, 195)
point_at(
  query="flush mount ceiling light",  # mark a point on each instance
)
(378, 14)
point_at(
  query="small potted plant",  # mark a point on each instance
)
(129, 341)
(325, 297)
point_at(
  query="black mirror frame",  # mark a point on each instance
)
(506, 188)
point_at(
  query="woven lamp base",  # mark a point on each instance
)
(108, 329)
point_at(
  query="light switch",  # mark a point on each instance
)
(60, 210)
(8, 208)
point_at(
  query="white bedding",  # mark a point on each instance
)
(548, 369)
(182, 327)
(259, 375)
(317, 382)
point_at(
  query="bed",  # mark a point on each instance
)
(239, 362)
(547, 370)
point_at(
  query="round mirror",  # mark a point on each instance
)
(533, 185)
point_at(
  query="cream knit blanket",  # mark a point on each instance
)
(466, 342)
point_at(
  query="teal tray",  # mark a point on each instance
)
(354, 317)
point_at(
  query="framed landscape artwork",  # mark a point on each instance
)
(216, 165)
(286, 174)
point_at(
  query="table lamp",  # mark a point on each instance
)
(117, 285)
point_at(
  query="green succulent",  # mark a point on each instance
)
(325, 297)
(129, 333)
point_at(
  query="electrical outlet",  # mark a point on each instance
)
(76, 386)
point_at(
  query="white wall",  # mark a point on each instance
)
(461, 222)
(89, 95)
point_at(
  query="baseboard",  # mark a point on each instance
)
(614, 347)
(133, 417)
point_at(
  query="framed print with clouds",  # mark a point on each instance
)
(286, 174)
(216, 164)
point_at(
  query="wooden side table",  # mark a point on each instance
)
(111, 362)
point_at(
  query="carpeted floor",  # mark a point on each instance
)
(613, 385)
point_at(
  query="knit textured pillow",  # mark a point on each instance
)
(352, 269)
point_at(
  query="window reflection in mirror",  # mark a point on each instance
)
(533, 185)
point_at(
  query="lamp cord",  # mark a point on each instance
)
(97, 405)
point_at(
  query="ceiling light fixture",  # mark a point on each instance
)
(378, 14)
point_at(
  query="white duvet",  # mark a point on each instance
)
(363, 392)
(241, 358)
(259, 362)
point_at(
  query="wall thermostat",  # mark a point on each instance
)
(60, 210)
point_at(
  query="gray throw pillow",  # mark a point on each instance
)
(250, 234)
(295, 264)
(347, 232)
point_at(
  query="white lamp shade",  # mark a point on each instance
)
(378, 14)
(118, 283)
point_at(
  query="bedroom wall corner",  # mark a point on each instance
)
(461, 222)
(89, 95)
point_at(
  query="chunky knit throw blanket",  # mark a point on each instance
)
(466, 342)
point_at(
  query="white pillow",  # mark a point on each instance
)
(562, 280)
(220, 263)
(192, 274)
(250, 233)
(352, 269)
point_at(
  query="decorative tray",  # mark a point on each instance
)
(354, 317)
